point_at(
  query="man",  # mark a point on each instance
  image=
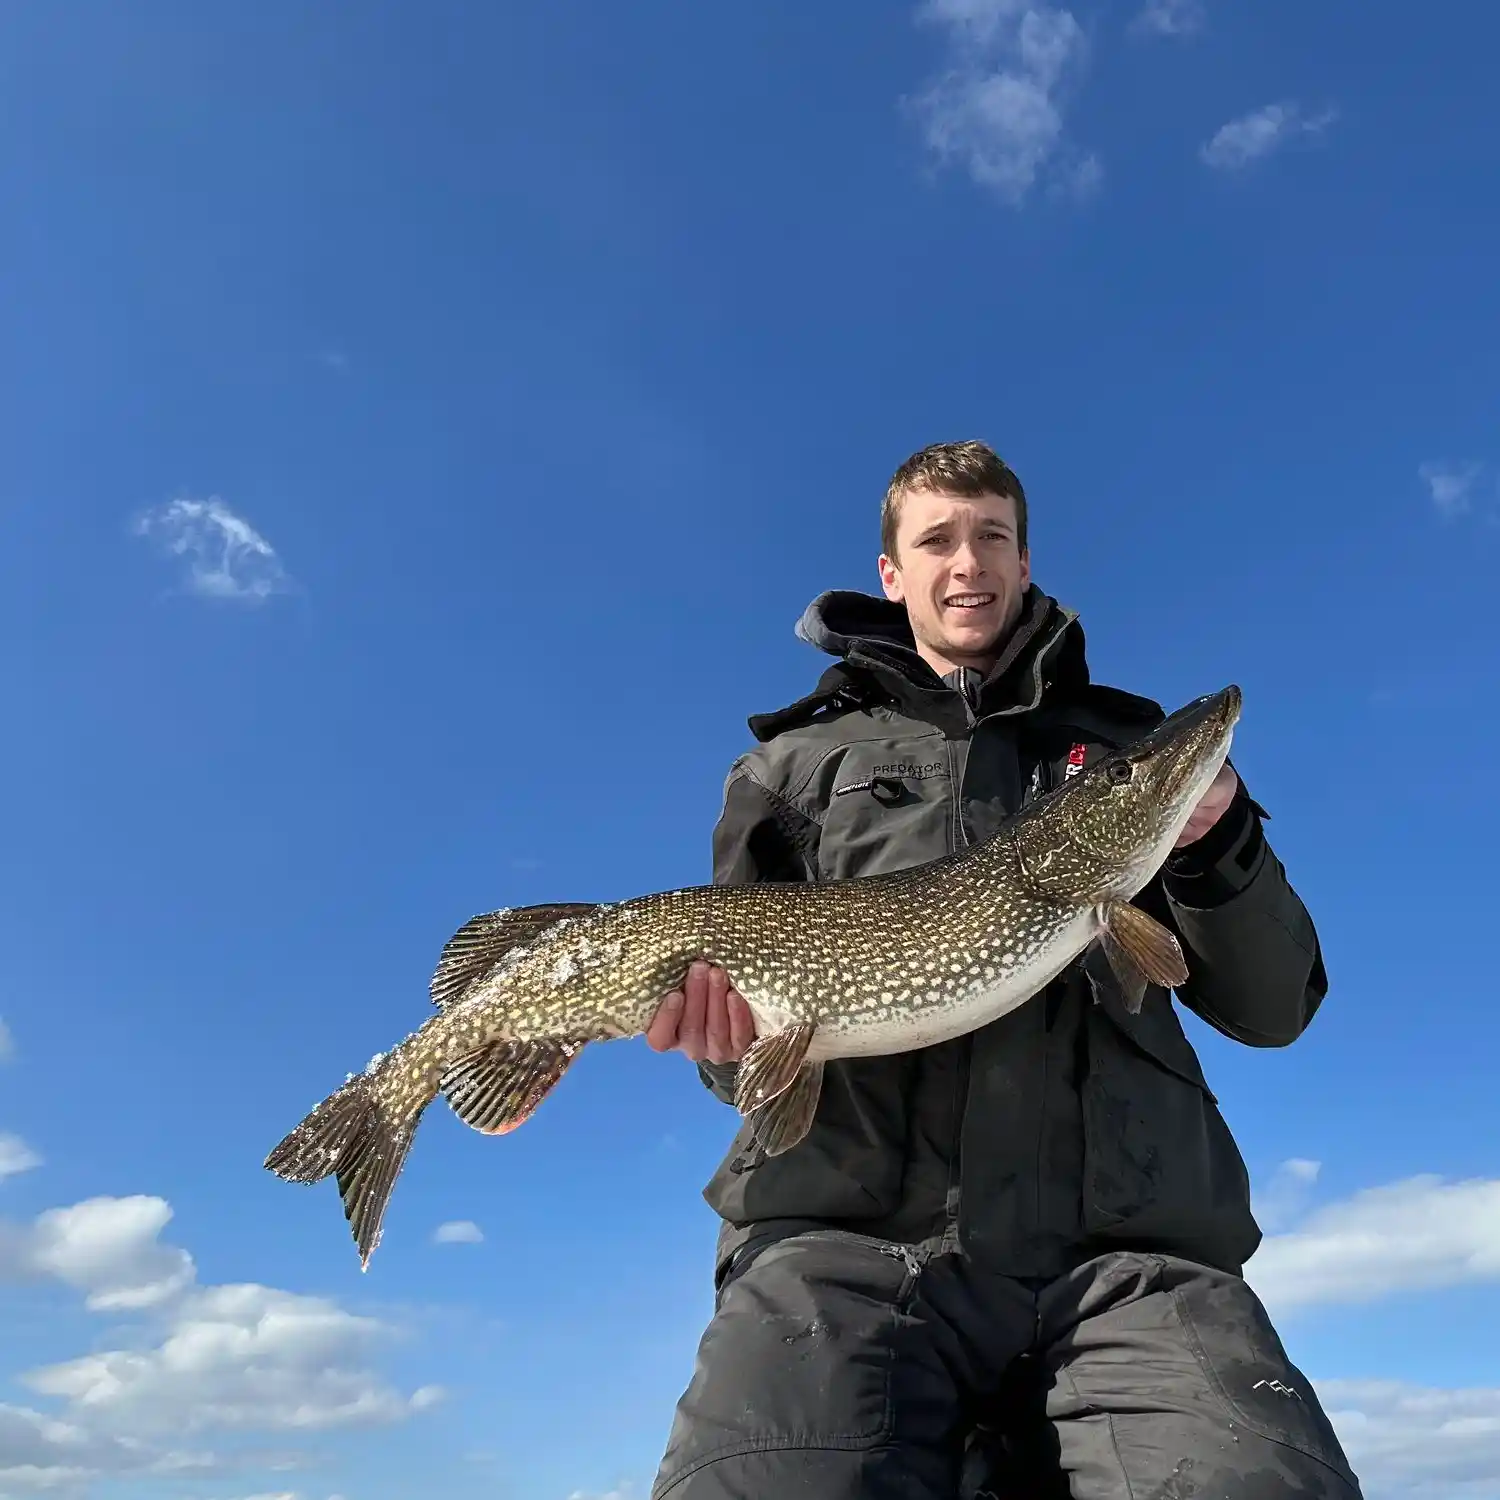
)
(1022, 1247)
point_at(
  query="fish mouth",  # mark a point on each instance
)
(1201, 731)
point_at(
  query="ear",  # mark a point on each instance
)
(890, 579)
(1026, 567)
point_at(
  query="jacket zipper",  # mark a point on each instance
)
(958, 838)
(954, 1195)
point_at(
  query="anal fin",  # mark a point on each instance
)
(786, 1119)
(770, 1065)
(498, 1086)
(1140, 951)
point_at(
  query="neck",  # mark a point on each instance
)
(944, 664)
(1001, 652)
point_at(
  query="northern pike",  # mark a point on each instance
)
(842, 968)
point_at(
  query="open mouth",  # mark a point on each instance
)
(968, 601)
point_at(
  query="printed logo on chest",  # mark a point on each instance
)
(908, 770)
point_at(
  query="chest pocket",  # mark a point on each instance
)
(888, 805)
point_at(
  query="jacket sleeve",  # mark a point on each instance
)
(759, 837)
(1255, 964)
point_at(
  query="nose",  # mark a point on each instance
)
(966, 563)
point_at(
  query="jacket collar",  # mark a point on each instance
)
(872, 636)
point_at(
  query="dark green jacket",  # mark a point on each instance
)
(1068, 1126)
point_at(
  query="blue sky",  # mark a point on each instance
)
(422, 427)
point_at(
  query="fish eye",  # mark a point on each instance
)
(1118, 772)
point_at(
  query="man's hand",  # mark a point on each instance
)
(707, 1019)
(1211, 805)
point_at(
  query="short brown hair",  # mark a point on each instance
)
(970, 469)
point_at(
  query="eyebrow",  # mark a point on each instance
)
(938, 527)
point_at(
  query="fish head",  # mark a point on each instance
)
(1105, 833)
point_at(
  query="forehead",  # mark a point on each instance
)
(923, 509)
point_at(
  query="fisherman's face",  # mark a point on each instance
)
(961, 574)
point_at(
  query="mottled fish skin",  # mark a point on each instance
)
(881, 964)
(869, 965)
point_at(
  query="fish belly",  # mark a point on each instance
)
(949, 1009)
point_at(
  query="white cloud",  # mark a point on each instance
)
(458, 1232)
(1286, 1193)
(16, 1156)
(237, 1357)
(280, 1495)
(40, 1455)
(240, 1358)
(7, 1043)
(1407, 1236)
(225, 556)
(1171, 17)
(1451, 487)
(107, 1248)
(1409, 1442)
(1257, 134)
(997, 108)
(624, 1491)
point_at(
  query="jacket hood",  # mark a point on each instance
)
(835, 620)
(876, 660)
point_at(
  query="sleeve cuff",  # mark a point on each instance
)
(720, 1077)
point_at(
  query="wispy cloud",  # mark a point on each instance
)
(1451, 487)
(1286, 1193)
(458, 1232)
(1082, 179)
(1412, 1235)
(1262, 131)
(277, 1495)
(39, 1454)
(997, 108)
(16, 1157)
(224, 555)
(7, 1043)
(1171, 17)
(198, 1359)
(1412, 1442)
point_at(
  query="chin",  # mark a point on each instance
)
(975, 640)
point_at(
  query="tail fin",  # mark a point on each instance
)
(357, 1135)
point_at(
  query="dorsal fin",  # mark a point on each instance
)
(490, 936)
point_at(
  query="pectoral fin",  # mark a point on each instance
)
(1140, 951)
(782, 1123)
(770, 1065)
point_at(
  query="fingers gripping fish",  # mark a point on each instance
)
(846, 968)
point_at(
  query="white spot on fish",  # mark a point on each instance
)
(563, 970)
(374, 1063)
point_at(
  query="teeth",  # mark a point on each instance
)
(972, 599)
